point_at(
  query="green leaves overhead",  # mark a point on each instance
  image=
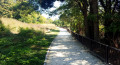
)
(21, 10)
(70, 14)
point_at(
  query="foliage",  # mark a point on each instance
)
(58, 23)
(46, 3)
(5, 9)
(115, 25)
(83, 15)
(26, 13)
(26, 48)
(33, 17)
(23, 11)
(70, 16)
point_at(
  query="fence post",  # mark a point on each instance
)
(91, 47)
(107, 54)
(82, 39)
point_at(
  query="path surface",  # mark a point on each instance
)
(65, 50)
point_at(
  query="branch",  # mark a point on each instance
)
(116, 2)
(79, 5)
(85, 5)
(102, 3)
(85, 2)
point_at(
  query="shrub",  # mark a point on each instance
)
(29, 33)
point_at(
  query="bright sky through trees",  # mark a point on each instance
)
(56, 5)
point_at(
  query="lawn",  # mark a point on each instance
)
(28, 47)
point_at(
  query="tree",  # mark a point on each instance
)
(94, 14)
(91, 25)
(84, 11)
(111, 11)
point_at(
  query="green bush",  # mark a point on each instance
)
(2, 27)
(5, 9)
(33, 17)
(22, 10)
(29, 32)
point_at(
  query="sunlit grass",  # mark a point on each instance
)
(29, 46)
(15, 25)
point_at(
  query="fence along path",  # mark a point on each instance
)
(65, 50)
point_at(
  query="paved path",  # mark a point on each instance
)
(65, 50)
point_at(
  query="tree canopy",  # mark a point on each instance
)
(96, 19)
(47, 3)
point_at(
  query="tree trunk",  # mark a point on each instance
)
(96, 22)
(84, 11)
(86, 23)
(108, 21)
(95, 26)
(85, 7)
(91, 24)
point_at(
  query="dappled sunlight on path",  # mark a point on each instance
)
(65, 50)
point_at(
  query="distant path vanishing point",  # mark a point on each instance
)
(65, 50)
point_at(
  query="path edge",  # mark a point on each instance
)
(48, 51)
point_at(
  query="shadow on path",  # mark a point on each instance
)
(65, 50)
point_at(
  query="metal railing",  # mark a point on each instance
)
(108, 54)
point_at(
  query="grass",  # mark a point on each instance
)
(28, 47)
(15, 25)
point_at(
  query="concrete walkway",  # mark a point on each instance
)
(65, 50)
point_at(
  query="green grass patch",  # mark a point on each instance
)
(26, 48)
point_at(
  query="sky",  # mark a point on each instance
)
(56, 5)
